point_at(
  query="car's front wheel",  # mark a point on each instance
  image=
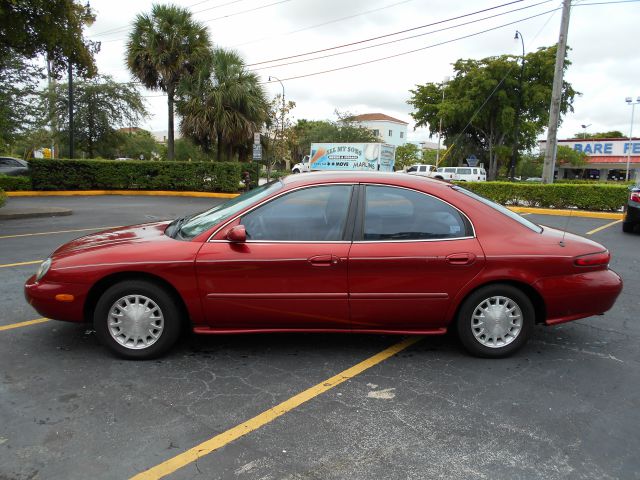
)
(495, 321)
(137, 319)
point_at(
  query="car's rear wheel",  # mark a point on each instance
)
(295, 170)
(495, 321)
(628, 227)
(137, 319)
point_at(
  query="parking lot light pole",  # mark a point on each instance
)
(283, 109)
(633, 104)
(514, 154)
(444, 83)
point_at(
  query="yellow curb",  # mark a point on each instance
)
(568, 213)
(144, 193)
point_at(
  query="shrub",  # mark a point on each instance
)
(605, 197)
(3, 197)
(11, 184)
(135, 175)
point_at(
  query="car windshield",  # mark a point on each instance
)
(501, 209)
(189, 227)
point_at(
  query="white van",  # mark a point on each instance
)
(430, 171)
(466, 174)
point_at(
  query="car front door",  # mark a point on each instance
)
(411, 254)
(290, 273)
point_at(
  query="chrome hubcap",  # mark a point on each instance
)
(496, 322)
(135, 322)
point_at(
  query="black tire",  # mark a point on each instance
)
(158, 302)
(508, 343)
(628, 227)
(295, 170)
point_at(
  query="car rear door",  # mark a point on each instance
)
(291, 273)
(411, 254)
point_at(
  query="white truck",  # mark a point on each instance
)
(348, 156)
(425, 170)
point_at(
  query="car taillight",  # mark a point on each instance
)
(593, 259)
(635, 197)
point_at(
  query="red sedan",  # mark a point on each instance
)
(329, 252)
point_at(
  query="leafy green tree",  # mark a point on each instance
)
(48, 27)
(278, 131)
(407, 155)
(137, 143)
(165, 47)
(481, 100)
(187, 151)
(307, 132)
(101, 106)
(18, 97)
(530, 165)
(568, 156)
(224, 104)
(611, 134)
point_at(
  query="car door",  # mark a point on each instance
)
(291, 273)
(412, 253)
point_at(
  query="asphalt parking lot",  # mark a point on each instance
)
(566, 406)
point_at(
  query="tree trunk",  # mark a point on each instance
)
(219, 147)
(170, 144)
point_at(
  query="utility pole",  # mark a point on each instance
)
(556, 97)
(71, 149)
(514, 153)
(444, 83)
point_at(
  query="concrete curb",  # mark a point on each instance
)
(34, 212)
(151, 193)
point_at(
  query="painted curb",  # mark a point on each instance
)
(142, 193)
(13, 213)
(152, 193)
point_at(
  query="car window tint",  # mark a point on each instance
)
(316, 214)
(450, 170)
(423, 169)
(414, 168)
(464, 171)
(400, 214)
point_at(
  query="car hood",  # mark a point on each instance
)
(133, 234)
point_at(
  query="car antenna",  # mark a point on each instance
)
(564, 230)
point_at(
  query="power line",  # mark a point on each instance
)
(317, 25)
(387, 35)
(417, 49)
(403, 39)
(246, 11)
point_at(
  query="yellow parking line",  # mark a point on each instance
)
(23, 324)
(19, 264)
(193, 454)
(596, 230)
(57, 231)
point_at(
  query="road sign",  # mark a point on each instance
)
(257, 152)
(256, 138)
(472, 161)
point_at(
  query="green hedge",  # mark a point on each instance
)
(605, 197)
(3, 197)
(11, 184)
(135, 175)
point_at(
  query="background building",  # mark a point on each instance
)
(607, 158)
(386, 128)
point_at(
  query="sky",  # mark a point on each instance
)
(603, 38)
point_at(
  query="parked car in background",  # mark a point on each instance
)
(631, 219)
(430, 171)
(466, 174)
(340, 252)
(13, 166)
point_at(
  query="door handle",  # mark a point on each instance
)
(323, 260)
(460, 258)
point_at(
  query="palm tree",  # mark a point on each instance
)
(165, 47)
(225, 105)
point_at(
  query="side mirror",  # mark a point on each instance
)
(237, 234)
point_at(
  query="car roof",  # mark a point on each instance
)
(390, 178)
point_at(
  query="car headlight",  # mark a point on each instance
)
(43, 269)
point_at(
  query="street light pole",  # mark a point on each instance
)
(633, 104)
(444, 82)
(282, 121)
(514, 154)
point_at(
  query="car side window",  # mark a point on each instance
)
(400, 214)
(315, 214)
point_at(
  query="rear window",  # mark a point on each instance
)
(464, 171)
(501, 209)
